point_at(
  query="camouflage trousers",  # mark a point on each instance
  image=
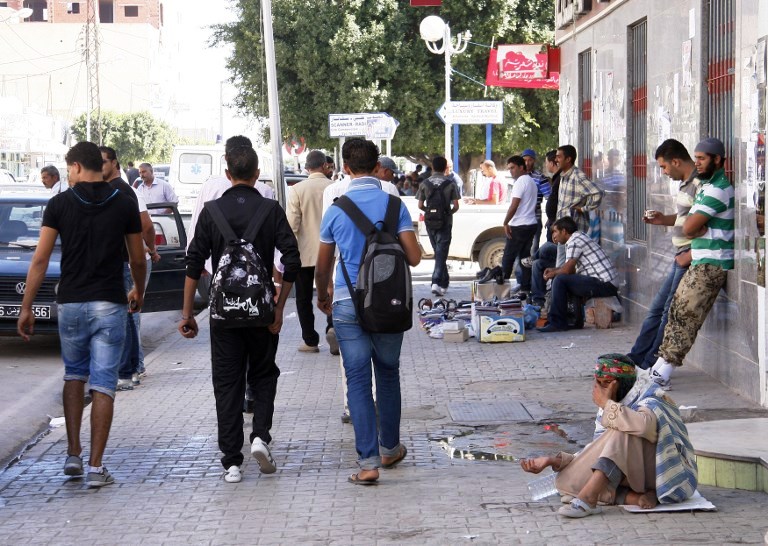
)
(690, 306)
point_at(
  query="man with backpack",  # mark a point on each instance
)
(438, 197)
(240, 231)
(372, 307)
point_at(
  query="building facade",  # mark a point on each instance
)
(636, 72)
(110, 11)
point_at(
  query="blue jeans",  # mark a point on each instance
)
(440, 239)
(358, 349)
(578, 285)
(92, 335)
(651, 334)
(132, 358)
(518, 246)
(544, 258)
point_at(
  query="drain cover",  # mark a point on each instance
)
(488, 413)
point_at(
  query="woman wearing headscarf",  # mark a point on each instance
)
(640, 454)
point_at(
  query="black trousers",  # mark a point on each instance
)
(304, 307)
(233, 351)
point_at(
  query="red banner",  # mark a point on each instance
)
(425, 3)
(532, 66)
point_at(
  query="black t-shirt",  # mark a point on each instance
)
(92, 220)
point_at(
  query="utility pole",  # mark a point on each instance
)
(93, 111)
(275, 131)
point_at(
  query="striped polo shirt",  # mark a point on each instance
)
(684, 201)
(715, 200)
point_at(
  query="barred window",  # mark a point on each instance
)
(637, 129)
(719, 55)
(585, 119)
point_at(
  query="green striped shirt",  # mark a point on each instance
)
(715, 201)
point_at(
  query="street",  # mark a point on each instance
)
(470, 411)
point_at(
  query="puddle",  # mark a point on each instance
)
(478, 446)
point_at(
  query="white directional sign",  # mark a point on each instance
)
(379, 125)
(472, 112)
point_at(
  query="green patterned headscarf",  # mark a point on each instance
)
(620, 367)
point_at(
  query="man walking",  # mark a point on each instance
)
(152, 190)
(235, 348)
(377, 425)
(676, 163)
(520, 223)
(710, 226)
(586, 273)
(438, 197)
(94, 222)
(304, 212)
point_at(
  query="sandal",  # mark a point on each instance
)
(403, 453)
(424, 304)
(579, 509)
(357, 480)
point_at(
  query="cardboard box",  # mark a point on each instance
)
(501, 329)
(490, 290)
(456, 337)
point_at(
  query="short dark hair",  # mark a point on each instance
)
(130, 163)
(439, 164)
(672, 149)
(516, 160)
(568, 151)
(87, 154)
(551, 156)
(329, 159)
(315, 160)
(236, 141)
(52, 171)
(360, 155)
(242, 162)
(566, 223)
(110, 153)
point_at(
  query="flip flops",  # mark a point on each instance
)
(403, 453)
(355, 479)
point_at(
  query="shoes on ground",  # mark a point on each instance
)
(578, 509)
(333, 343)
(657, 378)
(73, 466)
(263, 456)
(99, 479)
(480, 274)
(233, 474)
(438, 290)
(135, 380)
(345, 418)
(492, 275)
(124, 385)
(304, 348)
(550, 328)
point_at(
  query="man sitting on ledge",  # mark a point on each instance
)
(586, 273)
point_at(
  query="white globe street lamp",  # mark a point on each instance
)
(6, 14)
(433, 30)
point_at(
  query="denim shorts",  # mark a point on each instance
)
(92, 335)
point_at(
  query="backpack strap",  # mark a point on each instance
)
(221, 222)
(360, 220)
(392, 217)
(226, 229)
(259, 217)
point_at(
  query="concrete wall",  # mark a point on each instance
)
(731, 344)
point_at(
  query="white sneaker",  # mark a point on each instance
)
(436, 290)
(263, 456)
(124, 385)
(233, 474)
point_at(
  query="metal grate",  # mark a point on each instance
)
(9, 294)
(638, 129)
(488, 413)
(585, 120)
(720, 76)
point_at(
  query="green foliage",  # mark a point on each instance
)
(338, 56)
(135, 136)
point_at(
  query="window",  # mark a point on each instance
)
(585, 120)
(106, 11)
(637, 129)
(73, 7)
(3, 4)
(39, 10)
(131, 11)
(195, 168)
(720, 75)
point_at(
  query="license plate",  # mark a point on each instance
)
(13, 311)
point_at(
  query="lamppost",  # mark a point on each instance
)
(433, 30)
(6, 14)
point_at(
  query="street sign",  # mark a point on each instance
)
(472, 112)
(369, 125)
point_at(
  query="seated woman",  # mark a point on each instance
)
(640, 454)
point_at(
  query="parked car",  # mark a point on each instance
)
(21, 218)
(161, 171)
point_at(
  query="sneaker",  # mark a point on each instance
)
(99, 479)
(333, 343)
(124, 385)
(526, 262)
(73, 466)
(233, 474)
(657, 378)
(135, 381)
(261, 453)
(345, 418)
(304, 348)
(435, 290)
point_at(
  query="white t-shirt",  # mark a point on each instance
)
(526, 190)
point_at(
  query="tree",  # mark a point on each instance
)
(337, 56)
(135, 136)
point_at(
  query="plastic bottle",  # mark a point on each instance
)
(543, 487)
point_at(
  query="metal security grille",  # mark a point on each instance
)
(585, 120)
(638, 129)
(720, 75)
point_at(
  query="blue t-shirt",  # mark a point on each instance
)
(337, 228)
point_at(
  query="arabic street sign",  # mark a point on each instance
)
(381, 128)
(472, 112)
(369, 125)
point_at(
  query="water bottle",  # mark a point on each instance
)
(543, 487)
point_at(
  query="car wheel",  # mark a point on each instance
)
(491, 253)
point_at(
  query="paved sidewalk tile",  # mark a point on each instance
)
(458, 484)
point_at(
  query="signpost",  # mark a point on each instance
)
(371, 125)
(472, 112)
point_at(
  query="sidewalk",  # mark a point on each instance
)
(457, 485)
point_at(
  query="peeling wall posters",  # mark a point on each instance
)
(760, 62)
(687, 75)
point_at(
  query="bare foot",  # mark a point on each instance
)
(647, 500)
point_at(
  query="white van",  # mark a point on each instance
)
(193, 165)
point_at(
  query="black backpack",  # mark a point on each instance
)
(382, 296)
(242, 293)
(437, 210)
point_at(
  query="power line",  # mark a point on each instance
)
(47, 72)
(39, 58)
